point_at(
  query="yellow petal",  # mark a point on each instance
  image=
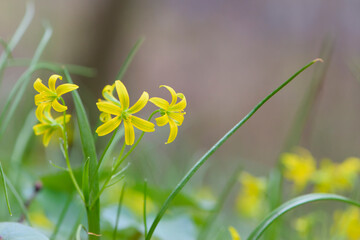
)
(180, 105)
(108, 126)
(163, 120)
(159, 102)
(177, 117)
(234, 234)
(173, 131)
(39, 86)
(58, 107)
(41, 128)
(108, 107)
(38, 99)
(123, 94)
(65, 88)
(129, 132)
(52, 81)
(47, 136)
(104, 117)
(39, 112)
(140, 104)
(60, 119)
(173, 94)
(142, 124)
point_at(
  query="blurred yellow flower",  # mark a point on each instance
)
(39, 219)
(48, 125)
(51, 95)
(234, 234)
(347, 223)
(303, 225)
(121, 111)
(333, 177)
(250, 202)
(172, 113)
(299, 167)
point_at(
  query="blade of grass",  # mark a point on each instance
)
(89, 151)
(294, 203)
(6, 47)
(18, 90)
(5, 189)
(18, 199)
(203, 159)
(119, 210)
(203, 234)
(129, 59)
(24, 24)
(298, 126)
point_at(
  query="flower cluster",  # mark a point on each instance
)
(116, 110)
(46, 100)
(300, 168)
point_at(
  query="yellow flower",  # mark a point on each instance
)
(51, 95)
(48, 125)
(347, 223)
(39, 218)
(303, 225)
(250, 201)
(172, 113)
(121, 111)
(234, 234)
(332, 177)
(299, 167)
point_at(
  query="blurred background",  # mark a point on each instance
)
(225, 56)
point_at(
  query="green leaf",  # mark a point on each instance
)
(296, 202)
(89, 150)
(29, 14)
(129, 58)
(5, 188)
(17, 231)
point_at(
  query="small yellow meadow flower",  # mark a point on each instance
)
(52, 94)
(250, 201)
(48, 125)
(172, 113)
(234, 234)
(347, 223)
(303, 225)
(333, 177)
(121, 111)
(299, 167)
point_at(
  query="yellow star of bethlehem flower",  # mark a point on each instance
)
(299, 167)
(50, 95)
(48, 125)
(172, 113)
(121, 111)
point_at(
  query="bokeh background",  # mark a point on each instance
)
(225, 56)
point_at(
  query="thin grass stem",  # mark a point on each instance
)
(121, 198)
(211, 151)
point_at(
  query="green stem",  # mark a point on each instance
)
(203, 159)
(119, 211)
(61, 217)
(67, 159)
(106, 148)
(120, 160)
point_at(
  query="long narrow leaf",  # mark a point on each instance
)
(18, 90)
(294, 203)
(89, 151)
(206, 156)
(29, 14)
(5, 189)
(129, 58)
